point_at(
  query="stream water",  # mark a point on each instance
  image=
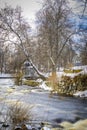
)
(48, 108)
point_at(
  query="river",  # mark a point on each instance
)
(49, 108)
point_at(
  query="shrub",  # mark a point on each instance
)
(32, 83)
(52, 81)
(66, 84)
(18, 79)
(80, 81)
(69, 85)
(19, 114)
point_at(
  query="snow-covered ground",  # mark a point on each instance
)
(83, 68)
(6, 82)
(45, 87)
(81, 94)
(59, 74)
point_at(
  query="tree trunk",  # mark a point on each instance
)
(42, 76)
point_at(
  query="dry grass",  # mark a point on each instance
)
(18, 80)
(32, 83)
(52, 81)
(19, 114)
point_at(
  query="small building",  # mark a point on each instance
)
(29, 71)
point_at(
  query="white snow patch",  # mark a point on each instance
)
(45, 87)
(45, 128)
(6, 82)
(39, 80)
(29, 127)
(17, 93)
(72, 75)
(81, 94)
(84, 67)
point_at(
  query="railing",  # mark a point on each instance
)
(8, 77)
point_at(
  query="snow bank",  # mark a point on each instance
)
(79, 125)
(84, 71)
(81, 94)
(72, 75)
(6, 82)
(84, 67)
(44, 86)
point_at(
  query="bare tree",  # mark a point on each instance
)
(17, 30)
(85, 6)
(53, 28)
(83, 49)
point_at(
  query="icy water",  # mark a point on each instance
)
(46, 107)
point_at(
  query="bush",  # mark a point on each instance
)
(66, 84)
(19, 114)
(18, 79)
(69, 85)
(80, 82)
(52, 81)
(32, 83)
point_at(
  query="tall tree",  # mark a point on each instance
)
(83, 49)
(85, 7)
(17, 30)
(54, 28)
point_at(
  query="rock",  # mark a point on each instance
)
(23, 126)
(79, 125)
(34, 128)
(42, 124)
(57, 129)
(45, 128)
(5, 125)
(66, 125)
(18, 129)
(29, 127)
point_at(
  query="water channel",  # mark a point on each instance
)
(48, 108)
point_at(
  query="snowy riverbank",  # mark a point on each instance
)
(72, 83)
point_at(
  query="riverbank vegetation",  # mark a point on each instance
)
(68, 85)
(32, 83)
(79, 125)
(18, 79)
(17, 116)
